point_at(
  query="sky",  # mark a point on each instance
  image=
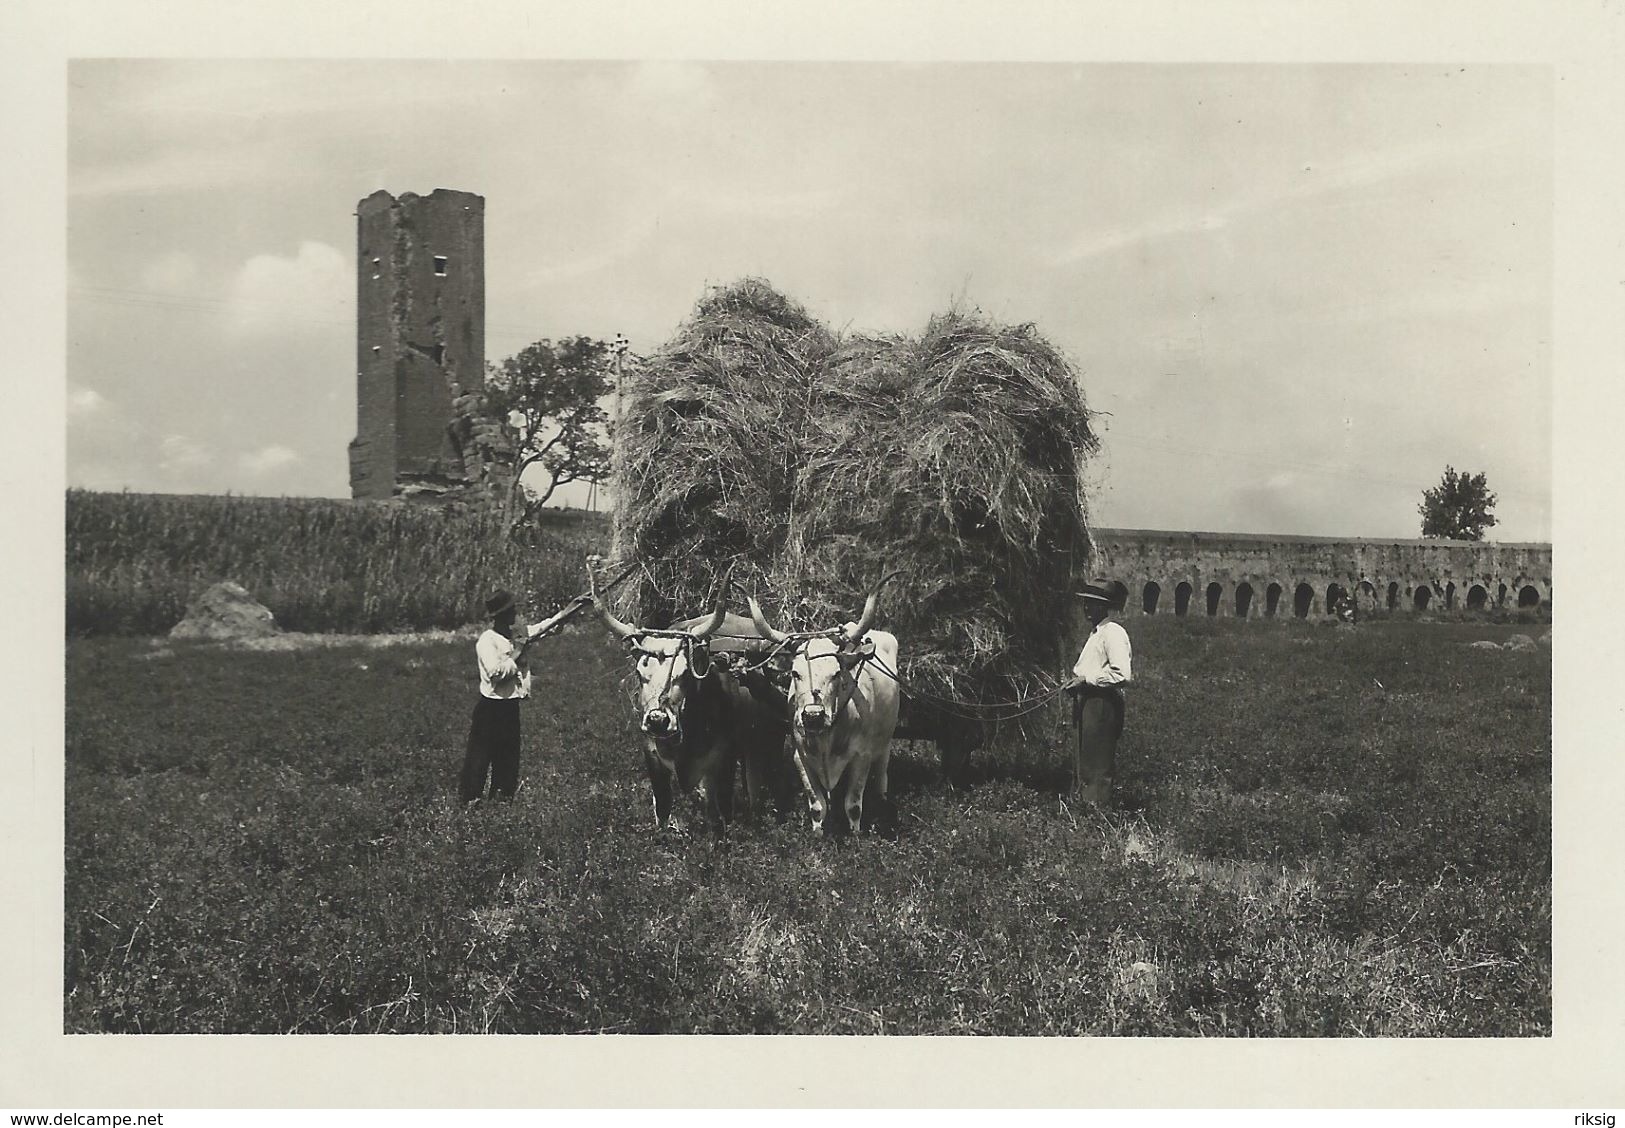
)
(1295, 293)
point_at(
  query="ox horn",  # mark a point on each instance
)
(710, 625)
(760, 620)
(620, 629)
(857, 629)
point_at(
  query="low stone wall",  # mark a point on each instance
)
(1256, 576)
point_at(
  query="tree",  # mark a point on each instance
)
(548, 393)
(1458, 507)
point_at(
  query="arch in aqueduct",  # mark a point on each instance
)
(1255, 576)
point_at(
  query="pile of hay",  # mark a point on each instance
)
(815, 464)
(708, 449)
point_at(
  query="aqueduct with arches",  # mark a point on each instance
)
(1256, 576)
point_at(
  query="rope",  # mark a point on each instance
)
(965, 710)
(1023, 708)
(795, 636)
(753, 667)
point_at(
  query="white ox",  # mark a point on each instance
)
(699, 718)
(843, 710)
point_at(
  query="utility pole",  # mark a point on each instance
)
(619, 346)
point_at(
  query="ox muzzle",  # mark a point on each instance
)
(816, 718)
(659, 723)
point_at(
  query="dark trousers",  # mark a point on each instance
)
(1097, 714)
(493, 746)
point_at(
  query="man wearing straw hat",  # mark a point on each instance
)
(493, 735)
(1098, 678)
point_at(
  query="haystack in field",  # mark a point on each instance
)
(707, 450)
(817, 464)
(970, 482)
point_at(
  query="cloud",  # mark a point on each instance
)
(1281, 502)
(177, 170)
(278, 294)
(634, 233)
(1491, 299)
(84, 401)
(194, 92)
(145, 127)
(178, 454)
(779, 206)
(1307, 182)
(97, 475)
(628, 239)
(1104, 242)
(658, 94)
(662, 82)
(174, 272)
(269, 458)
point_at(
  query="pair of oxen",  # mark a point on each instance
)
(719, 691)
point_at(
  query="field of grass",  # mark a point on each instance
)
(1321, 831)
(134, 561)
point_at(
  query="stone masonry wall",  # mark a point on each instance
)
(420, 339)
(1258, 576)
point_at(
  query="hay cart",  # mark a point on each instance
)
(955, 736)
(955, 733)
(817, 459)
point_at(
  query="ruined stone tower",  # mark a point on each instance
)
(420, 327)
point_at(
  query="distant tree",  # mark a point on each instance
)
(1458, 508)
(548, 393)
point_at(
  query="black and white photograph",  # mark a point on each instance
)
(966, 549)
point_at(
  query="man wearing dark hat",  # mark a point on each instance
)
(1098, 678)
(493, 737)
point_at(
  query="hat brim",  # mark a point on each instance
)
(506, 605)
(1096, 596)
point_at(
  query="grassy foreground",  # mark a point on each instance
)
(1322, 831)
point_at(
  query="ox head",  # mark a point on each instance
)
(668, 664)
(823, 666)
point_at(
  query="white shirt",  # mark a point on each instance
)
(501, 677)
(1106, 657)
